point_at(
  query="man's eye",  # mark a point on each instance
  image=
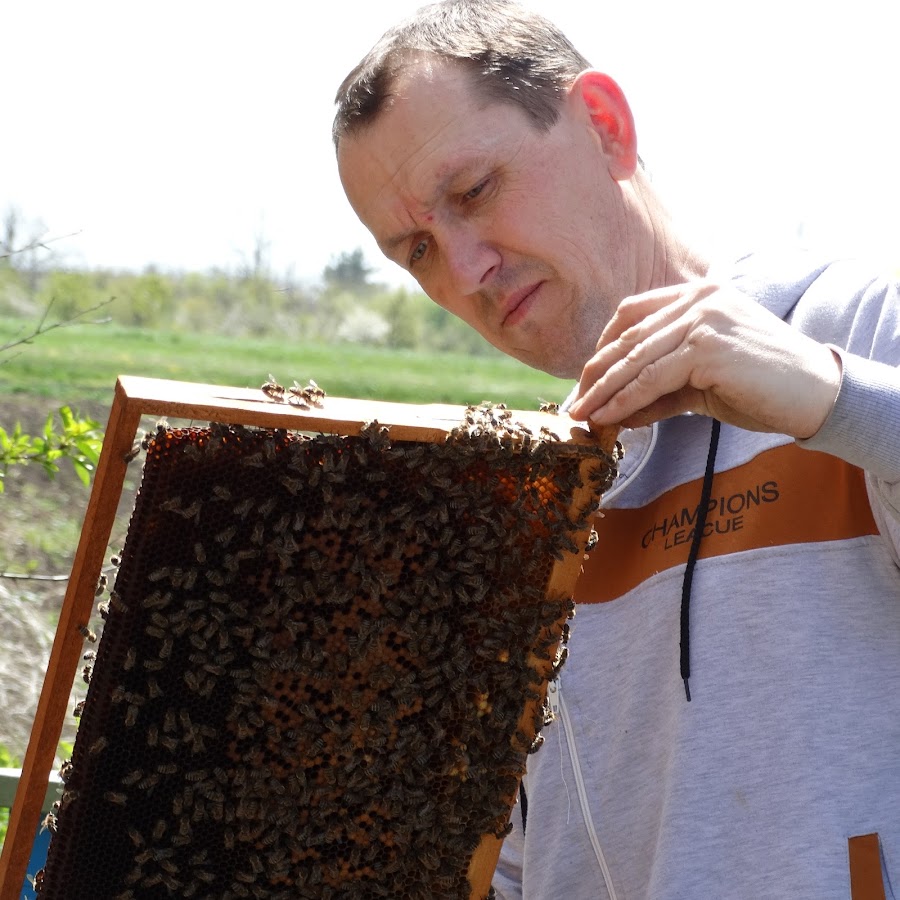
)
(472, 194)
(418, 251)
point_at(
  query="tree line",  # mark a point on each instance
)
(344, 304)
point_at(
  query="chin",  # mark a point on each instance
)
(557, 367)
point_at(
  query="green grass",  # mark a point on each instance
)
(82, 362)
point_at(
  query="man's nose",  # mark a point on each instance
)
(471, 261)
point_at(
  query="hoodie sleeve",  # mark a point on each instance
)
(862, 324)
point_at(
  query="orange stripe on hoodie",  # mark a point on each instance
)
(783, 496)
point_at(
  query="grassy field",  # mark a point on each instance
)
(80, 363)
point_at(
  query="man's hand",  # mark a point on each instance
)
(702, 348)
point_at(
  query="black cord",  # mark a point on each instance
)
(523, 804)
(702, 510)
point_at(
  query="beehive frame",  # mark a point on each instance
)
(135, 397)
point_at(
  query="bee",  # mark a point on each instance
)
(244, 507)
(216, 578)
(225, 537)
(160, 573)
(87, 634)
(171, 883)
(149, 782)
(131, 715)
(79, 709)
(98, 745)
(132, 778)
(116, 603)
(157, 600)
(115, 798)
(273, 390)
(132, 453)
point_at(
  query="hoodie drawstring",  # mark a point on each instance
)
(702, 510)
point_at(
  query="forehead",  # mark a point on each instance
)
(436, 128)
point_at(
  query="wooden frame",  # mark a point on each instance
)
(134, 398)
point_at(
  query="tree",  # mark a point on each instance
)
(76, 439)
(348, 271)
(23, 247)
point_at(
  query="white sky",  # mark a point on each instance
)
(175, 132)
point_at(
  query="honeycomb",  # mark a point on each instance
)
(317, 654)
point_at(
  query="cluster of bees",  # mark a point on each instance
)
(315, 661)
(296, 395)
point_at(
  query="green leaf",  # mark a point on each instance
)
(68, 419)
(82, 471)
(49, 467)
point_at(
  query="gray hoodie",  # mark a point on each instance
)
(790, 745)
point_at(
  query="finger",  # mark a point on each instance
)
(630, 341)
(674, 404)
(613, 367)
(640, 383)
(653, 308)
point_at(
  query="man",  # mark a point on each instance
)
(731, 726)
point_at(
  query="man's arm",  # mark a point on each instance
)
(709, 349)
(703, 348)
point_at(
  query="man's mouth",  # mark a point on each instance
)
(517, 305)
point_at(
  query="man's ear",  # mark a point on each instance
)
(610, 115)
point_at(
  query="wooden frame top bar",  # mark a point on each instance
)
(250, 406)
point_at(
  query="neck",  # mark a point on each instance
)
(674, 259)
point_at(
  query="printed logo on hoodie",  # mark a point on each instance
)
(785, 495)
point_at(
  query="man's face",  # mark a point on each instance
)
(523, 234)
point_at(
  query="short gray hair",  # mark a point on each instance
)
(513, 55)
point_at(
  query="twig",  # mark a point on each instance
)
(21, 576)
(43, 329)
(35, 244)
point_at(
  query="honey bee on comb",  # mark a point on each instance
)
(329, 664)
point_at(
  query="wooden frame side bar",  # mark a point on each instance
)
(562, 580)
(66, 652)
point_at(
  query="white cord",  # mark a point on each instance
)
(557, 704)
(617, 489)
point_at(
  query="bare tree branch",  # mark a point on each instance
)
(24, 577)
(37, 243)
(43, 328)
